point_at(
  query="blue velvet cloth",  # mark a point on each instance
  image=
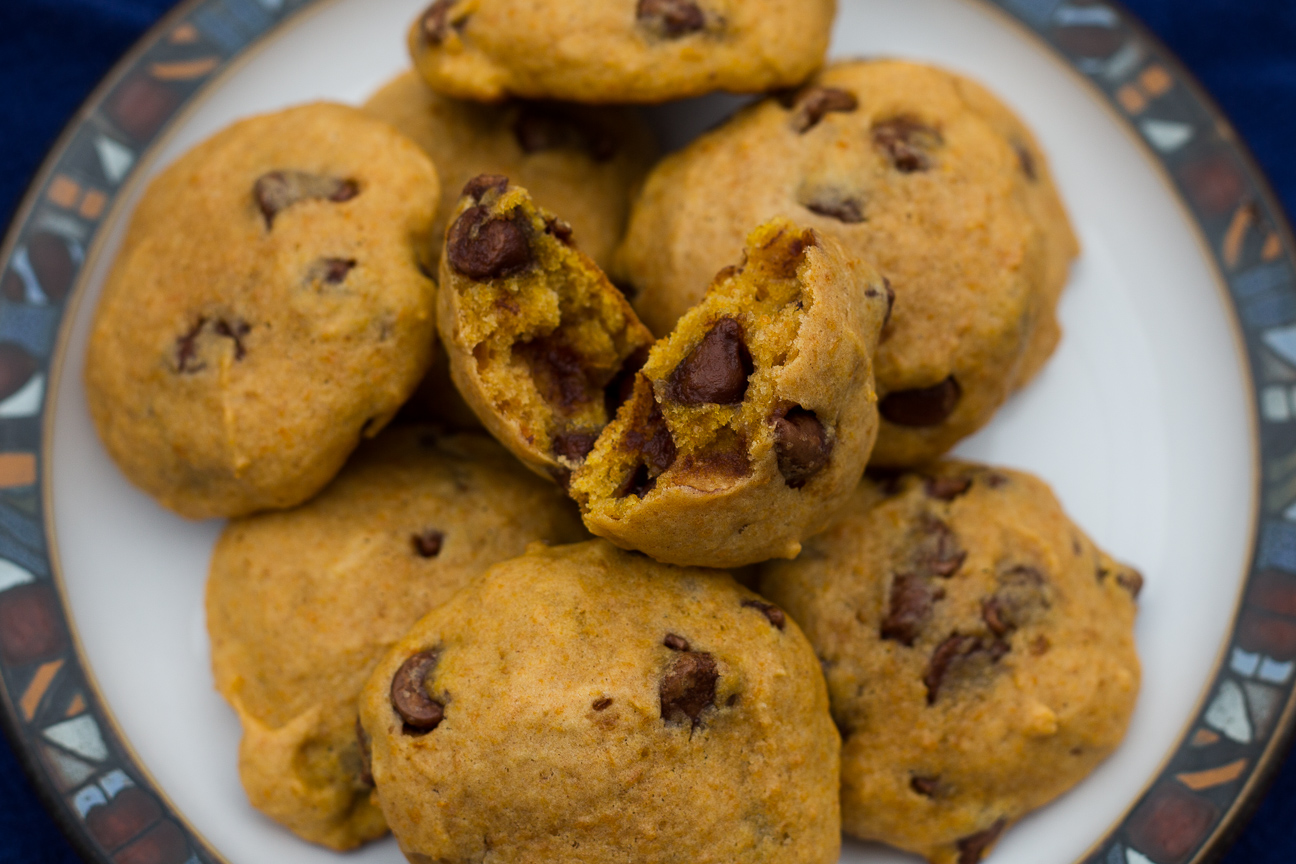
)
(53, 52)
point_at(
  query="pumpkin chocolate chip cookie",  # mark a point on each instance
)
(538, 339)
(266, 311)
(917, 170)
(584, 161)
(979, 652)
(302, 604)
(584, 704)
(748, 428)
(618, 51)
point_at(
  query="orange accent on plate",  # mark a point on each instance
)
(1204, 738)
(185, 34)
(39, 685)
(92, 206)
(1243, 219)
(64, 191)
(17, 469)
(76, 706)
(1199, 780)
(1156, 81)
(1131, 99)
(1272, 248)
(184, 71)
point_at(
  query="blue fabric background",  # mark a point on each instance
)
(53, 52)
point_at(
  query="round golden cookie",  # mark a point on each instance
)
(302, 604)
(266, 311)
(979, 651)
(919, 171)
(750, 425)
(618, 51)
(584, 704)
(584, 162)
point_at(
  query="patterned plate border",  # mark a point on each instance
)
(105, 802)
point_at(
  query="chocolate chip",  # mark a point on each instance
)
(912, 599)
(561, 231)
(953, 648)
(907, 142)
(187, 361)
(409, 695)
(558, 373)
(923, 406)
(716, 371)
(574, 446)
(938, 552)
(688, 688)
(891, 297)
(235, 330)
(996, 616)
(1026, 160)
(995, 480)
(652, 440)
(483, 183)
(785, 253)
(815, 102)
(602, 703)
(1131, 580)
(801, 446)
(671, 18)
(279, 190)
(330, 271)
(436, 22)
(947, 488)
(836, 204)
(972, 849)
(675, 643)
(619, 390)
(1039, 646)
(925, 786)
(638, 484)
(483, 248)
(774, 614)
(366, 756)
(428, 543)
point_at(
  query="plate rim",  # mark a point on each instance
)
(1036, 20)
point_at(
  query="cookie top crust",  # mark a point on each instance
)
(580, 701)
(268, 308)
(979, 652)
(618, 51)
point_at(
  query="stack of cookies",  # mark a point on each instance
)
(749, 356)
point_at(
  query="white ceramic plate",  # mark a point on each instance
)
(1144, 422)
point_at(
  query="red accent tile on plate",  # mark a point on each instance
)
(52, 263)
(16, 369)
(13, 287)
(1170, 823)
(1215, 184)
(123, 818)
(163, 844)
(1274, 591)
(1267, 634)
(141, 106)
(30, 628)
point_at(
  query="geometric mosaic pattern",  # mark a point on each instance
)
(88, 778)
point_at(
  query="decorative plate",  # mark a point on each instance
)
(1166, 423)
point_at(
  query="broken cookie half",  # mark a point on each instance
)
(749, 426)
(539, 340)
